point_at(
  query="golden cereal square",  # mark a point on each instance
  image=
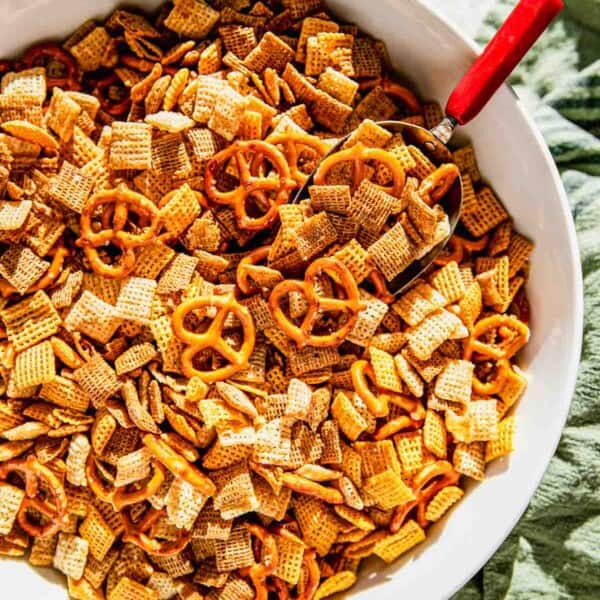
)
(71, 555)
(181, 210)
(487, 213)
(393, 546)
(192, 19)
(30, 321)
(442, 502)
(11, 498)
(35, 365)
(71, 187)
(504, 443)
(91, 51)
(392, 252)
(62, 114)
(131, 146)
(448, 282)
(21, 267)
(28, 84)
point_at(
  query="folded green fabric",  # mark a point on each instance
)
(554, 551)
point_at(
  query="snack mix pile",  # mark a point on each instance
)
(208, 391)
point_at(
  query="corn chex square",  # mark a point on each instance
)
(486, 214)
(430, 334)
(35, 365)
(387, 489)
(193, 19)
(392, 252)
(11, 498)
(235, 552)
(97, 532)
(454, 382)
(370, 206)
(393, 546)
(93, 317)
(21, 267)
(318, 523)
(71, 187)
(181, 210)
(386, 375)
(62, 114)
(131, 146)
(71, 555)
(135, 299)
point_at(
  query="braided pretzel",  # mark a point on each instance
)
(495, 384)
(116, 205)
(360, 371)
(119, 497)
(436, 185)
(513, 336)
(408, 98)
(178, 465)
(381, 289)
(250, 260)
(359, 155)
(251, 186)
(259, 572)
(303, 335)
(213, 337)
(311, 566)
(426, 484)
(455, 250)
(136, 533)
(292, 143)
(113, 95)
(61, 67)
(55, 510)
(58, 253)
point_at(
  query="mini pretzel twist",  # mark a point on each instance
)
(512, 335)
(360, 371)
(426, 484)
(359, 155)
(350, 305)
(456, 247)
(53, 508)
(259, 572)
(113, 95)
(292, 144)
(269, 192)
(213, 337)
(116, 205)
(406, 96)
(61, 68)
(250, 260)
(140, 533)
(435, 186)
(120, 497)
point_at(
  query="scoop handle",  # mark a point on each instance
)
(525, 24)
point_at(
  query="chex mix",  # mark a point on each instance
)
(209, 390)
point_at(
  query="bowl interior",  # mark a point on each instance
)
(513, 158)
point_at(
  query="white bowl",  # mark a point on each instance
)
(514, 159)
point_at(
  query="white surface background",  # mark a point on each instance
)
(465, 14)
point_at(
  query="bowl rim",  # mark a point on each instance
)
(571, 370)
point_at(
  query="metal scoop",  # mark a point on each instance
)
(523, 27)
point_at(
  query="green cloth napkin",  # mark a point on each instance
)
(554, 551)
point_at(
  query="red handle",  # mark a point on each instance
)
(526, 23)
